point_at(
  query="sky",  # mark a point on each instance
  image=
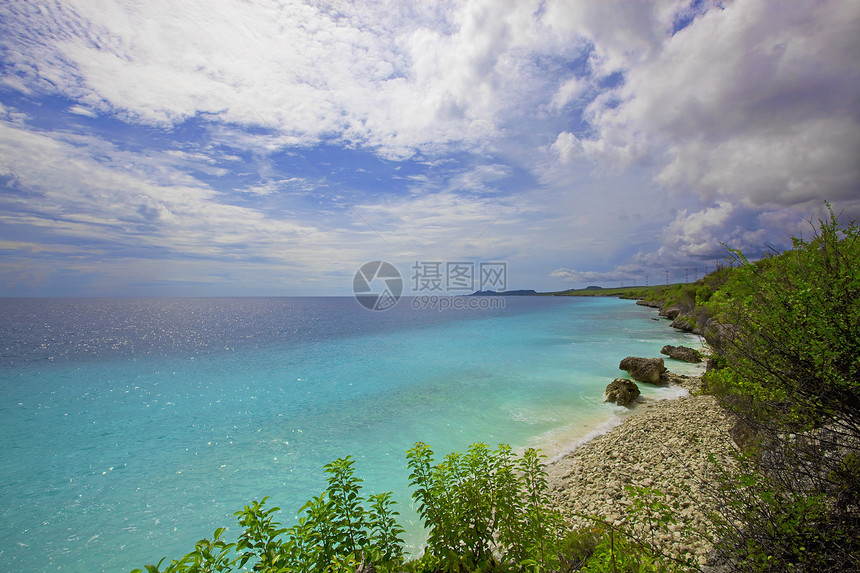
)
(262, 148)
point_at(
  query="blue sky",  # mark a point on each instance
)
(261, 148)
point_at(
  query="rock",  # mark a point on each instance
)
(743, 434)
(646, 370)
(691, 383)
(667, 447)
(684, 322)
(670, 312)
(621, 391)
(650, 304)
(683, 353)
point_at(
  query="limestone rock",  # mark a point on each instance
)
(621, 391)
(691, 383)
(684, 322)
(743, 434)
(646, 370)
(670, 312)
(683, 353)
(668, 447)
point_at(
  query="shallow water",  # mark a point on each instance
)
(134, 427)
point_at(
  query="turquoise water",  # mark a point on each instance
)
(133, 428)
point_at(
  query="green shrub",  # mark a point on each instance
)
(790, 370)
(484, 509)
(796, 324)
(765, 526)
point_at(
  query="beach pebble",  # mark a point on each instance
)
(665, 447)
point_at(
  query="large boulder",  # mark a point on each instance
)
(743, 434)
(621, 391)
(646, 370)
(683, 353)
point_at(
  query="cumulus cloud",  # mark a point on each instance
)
(385, 75)
(82, 200)
(698, 235)
(747, 113)
(753, 102)
(566, 146)
(568, 92)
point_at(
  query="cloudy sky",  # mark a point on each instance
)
(226, 147)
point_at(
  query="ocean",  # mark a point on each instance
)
(134, 427)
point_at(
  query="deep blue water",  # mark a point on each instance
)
(133, 427)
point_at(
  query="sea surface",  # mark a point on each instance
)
(133, 427)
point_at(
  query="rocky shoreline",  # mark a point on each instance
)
(663, 445)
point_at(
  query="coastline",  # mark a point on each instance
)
(661, 444)
(664, 445)
(563, 441)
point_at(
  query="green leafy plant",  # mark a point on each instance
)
(795, 323)
(209, 556)
(260, 536)
(789, 357)
(484, 509)
(765, 526)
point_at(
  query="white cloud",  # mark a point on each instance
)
(697, 234)
(755, 102)
(81, 110)
(479, 178)
(623, 33)
(12, 115)
(727, 130)
(382, 74)
(568, 92)
(269, 187)
(114, 202)
(446, 225)
(567, 146)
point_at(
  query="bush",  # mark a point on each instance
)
(796, 327)
(790, 357)
(767, 526)
(483, 509)
(335, 533)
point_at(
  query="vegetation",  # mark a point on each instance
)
(640, 292)
(788, 341)
(484, 510)
(785, 336)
